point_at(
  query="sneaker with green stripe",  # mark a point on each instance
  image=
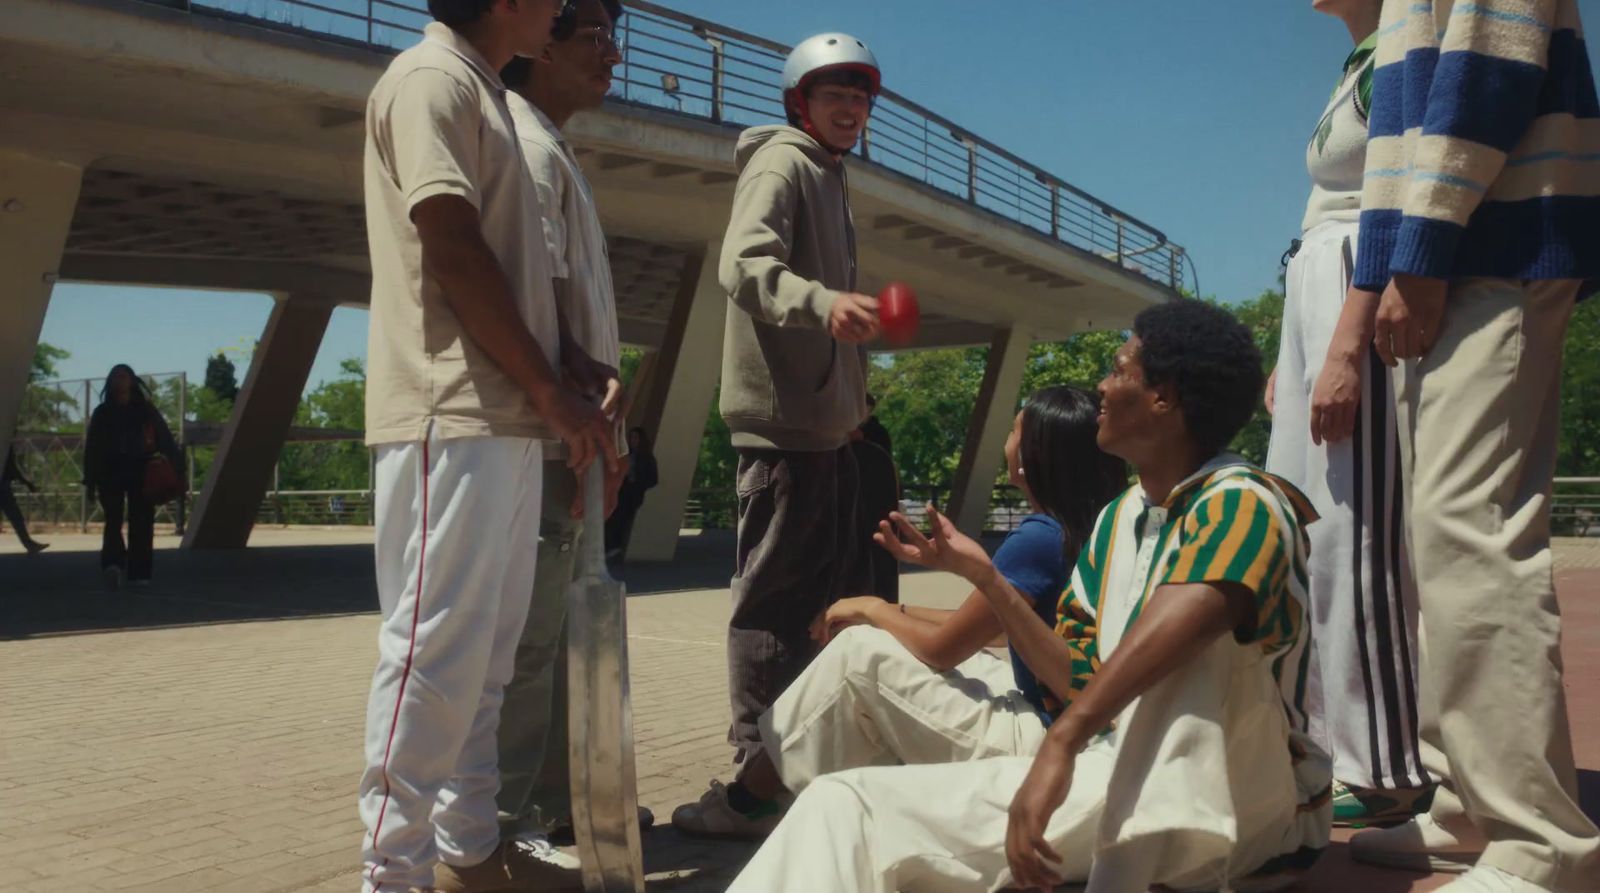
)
(1355, 807)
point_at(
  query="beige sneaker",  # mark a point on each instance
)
(1419, 845)
(713, 816)
(509, 869)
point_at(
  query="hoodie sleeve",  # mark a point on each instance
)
(755, 256)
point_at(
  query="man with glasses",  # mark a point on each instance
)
(572, 75)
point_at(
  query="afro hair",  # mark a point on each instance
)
(1210, 359)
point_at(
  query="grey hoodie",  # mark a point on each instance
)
(790, 249)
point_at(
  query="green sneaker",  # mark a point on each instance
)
(1373, 807)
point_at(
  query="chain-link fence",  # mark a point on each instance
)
(49, 448)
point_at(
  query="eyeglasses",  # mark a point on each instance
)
(604, 39)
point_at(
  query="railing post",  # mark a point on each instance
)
(1173, 257)
(972, 169)
(717, 58)
(1119, 242)
(183, 439)
(1055, 210)
(627, 67)
(927, 171)
(83, 492)
(866, 141)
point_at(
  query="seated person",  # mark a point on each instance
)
(1180, 757)
(829, 719)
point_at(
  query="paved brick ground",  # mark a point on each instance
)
(223, 756)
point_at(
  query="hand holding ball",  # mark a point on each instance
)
(898, 313)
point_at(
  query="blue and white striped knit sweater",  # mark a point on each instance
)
(1483, 156)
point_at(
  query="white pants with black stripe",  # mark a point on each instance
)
(1361, 696)
(457, 537)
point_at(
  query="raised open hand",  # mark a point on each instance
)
(948, 549)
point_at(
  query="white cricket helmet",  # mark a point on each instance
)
(828, 52)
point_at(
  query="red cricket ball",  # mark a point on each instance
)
(898, 313)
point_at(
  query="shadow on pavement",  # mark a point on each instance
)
(686, 865)
(62, 592)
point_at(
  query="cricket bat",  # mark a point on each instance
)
(605, 800)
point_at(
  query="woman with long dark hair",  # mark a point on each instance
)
(126, 431)
(949, 700)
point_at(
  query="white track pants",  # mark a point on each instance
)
(1361, 694)
(1195, 787)
(457, 535)
(866, 701)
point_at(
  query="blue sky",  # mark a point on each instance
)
(1192, 116)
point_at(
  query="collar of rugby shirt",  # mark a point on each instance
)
(450, 39)
(1193, 481)
(1299, 501)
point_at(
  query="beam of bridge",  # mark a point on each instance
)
(217, 144)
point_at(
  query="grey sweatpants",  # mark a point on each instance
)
(535, 794)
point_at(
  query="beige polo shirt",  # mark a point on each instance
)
(438, 124)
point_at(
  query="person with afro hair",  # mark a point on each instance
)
(1178, 754)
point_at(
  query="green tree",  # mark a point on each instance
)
(45, 359)
(338, 404)
(1263, 315)
(222, 378)
(1080, 361)
(925, 399)
(46, 407)
(1579, 452)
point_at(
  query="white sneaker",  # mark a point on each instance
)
(1421, 844)
(1485, 879)
(538, 846)
(713, 816)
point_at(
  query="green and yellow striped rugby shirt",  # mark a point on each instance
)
(1228, 522)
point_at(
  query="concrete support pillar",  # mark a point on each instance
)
(37, 198)
(991, 421)
(682, 380)
(262, 414)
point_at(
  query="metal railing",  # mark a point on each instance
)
(717, 508)
(1575, 506)
(321, 508)
(700, 69)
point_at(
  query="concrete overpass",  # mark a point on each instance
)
(216, 144)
